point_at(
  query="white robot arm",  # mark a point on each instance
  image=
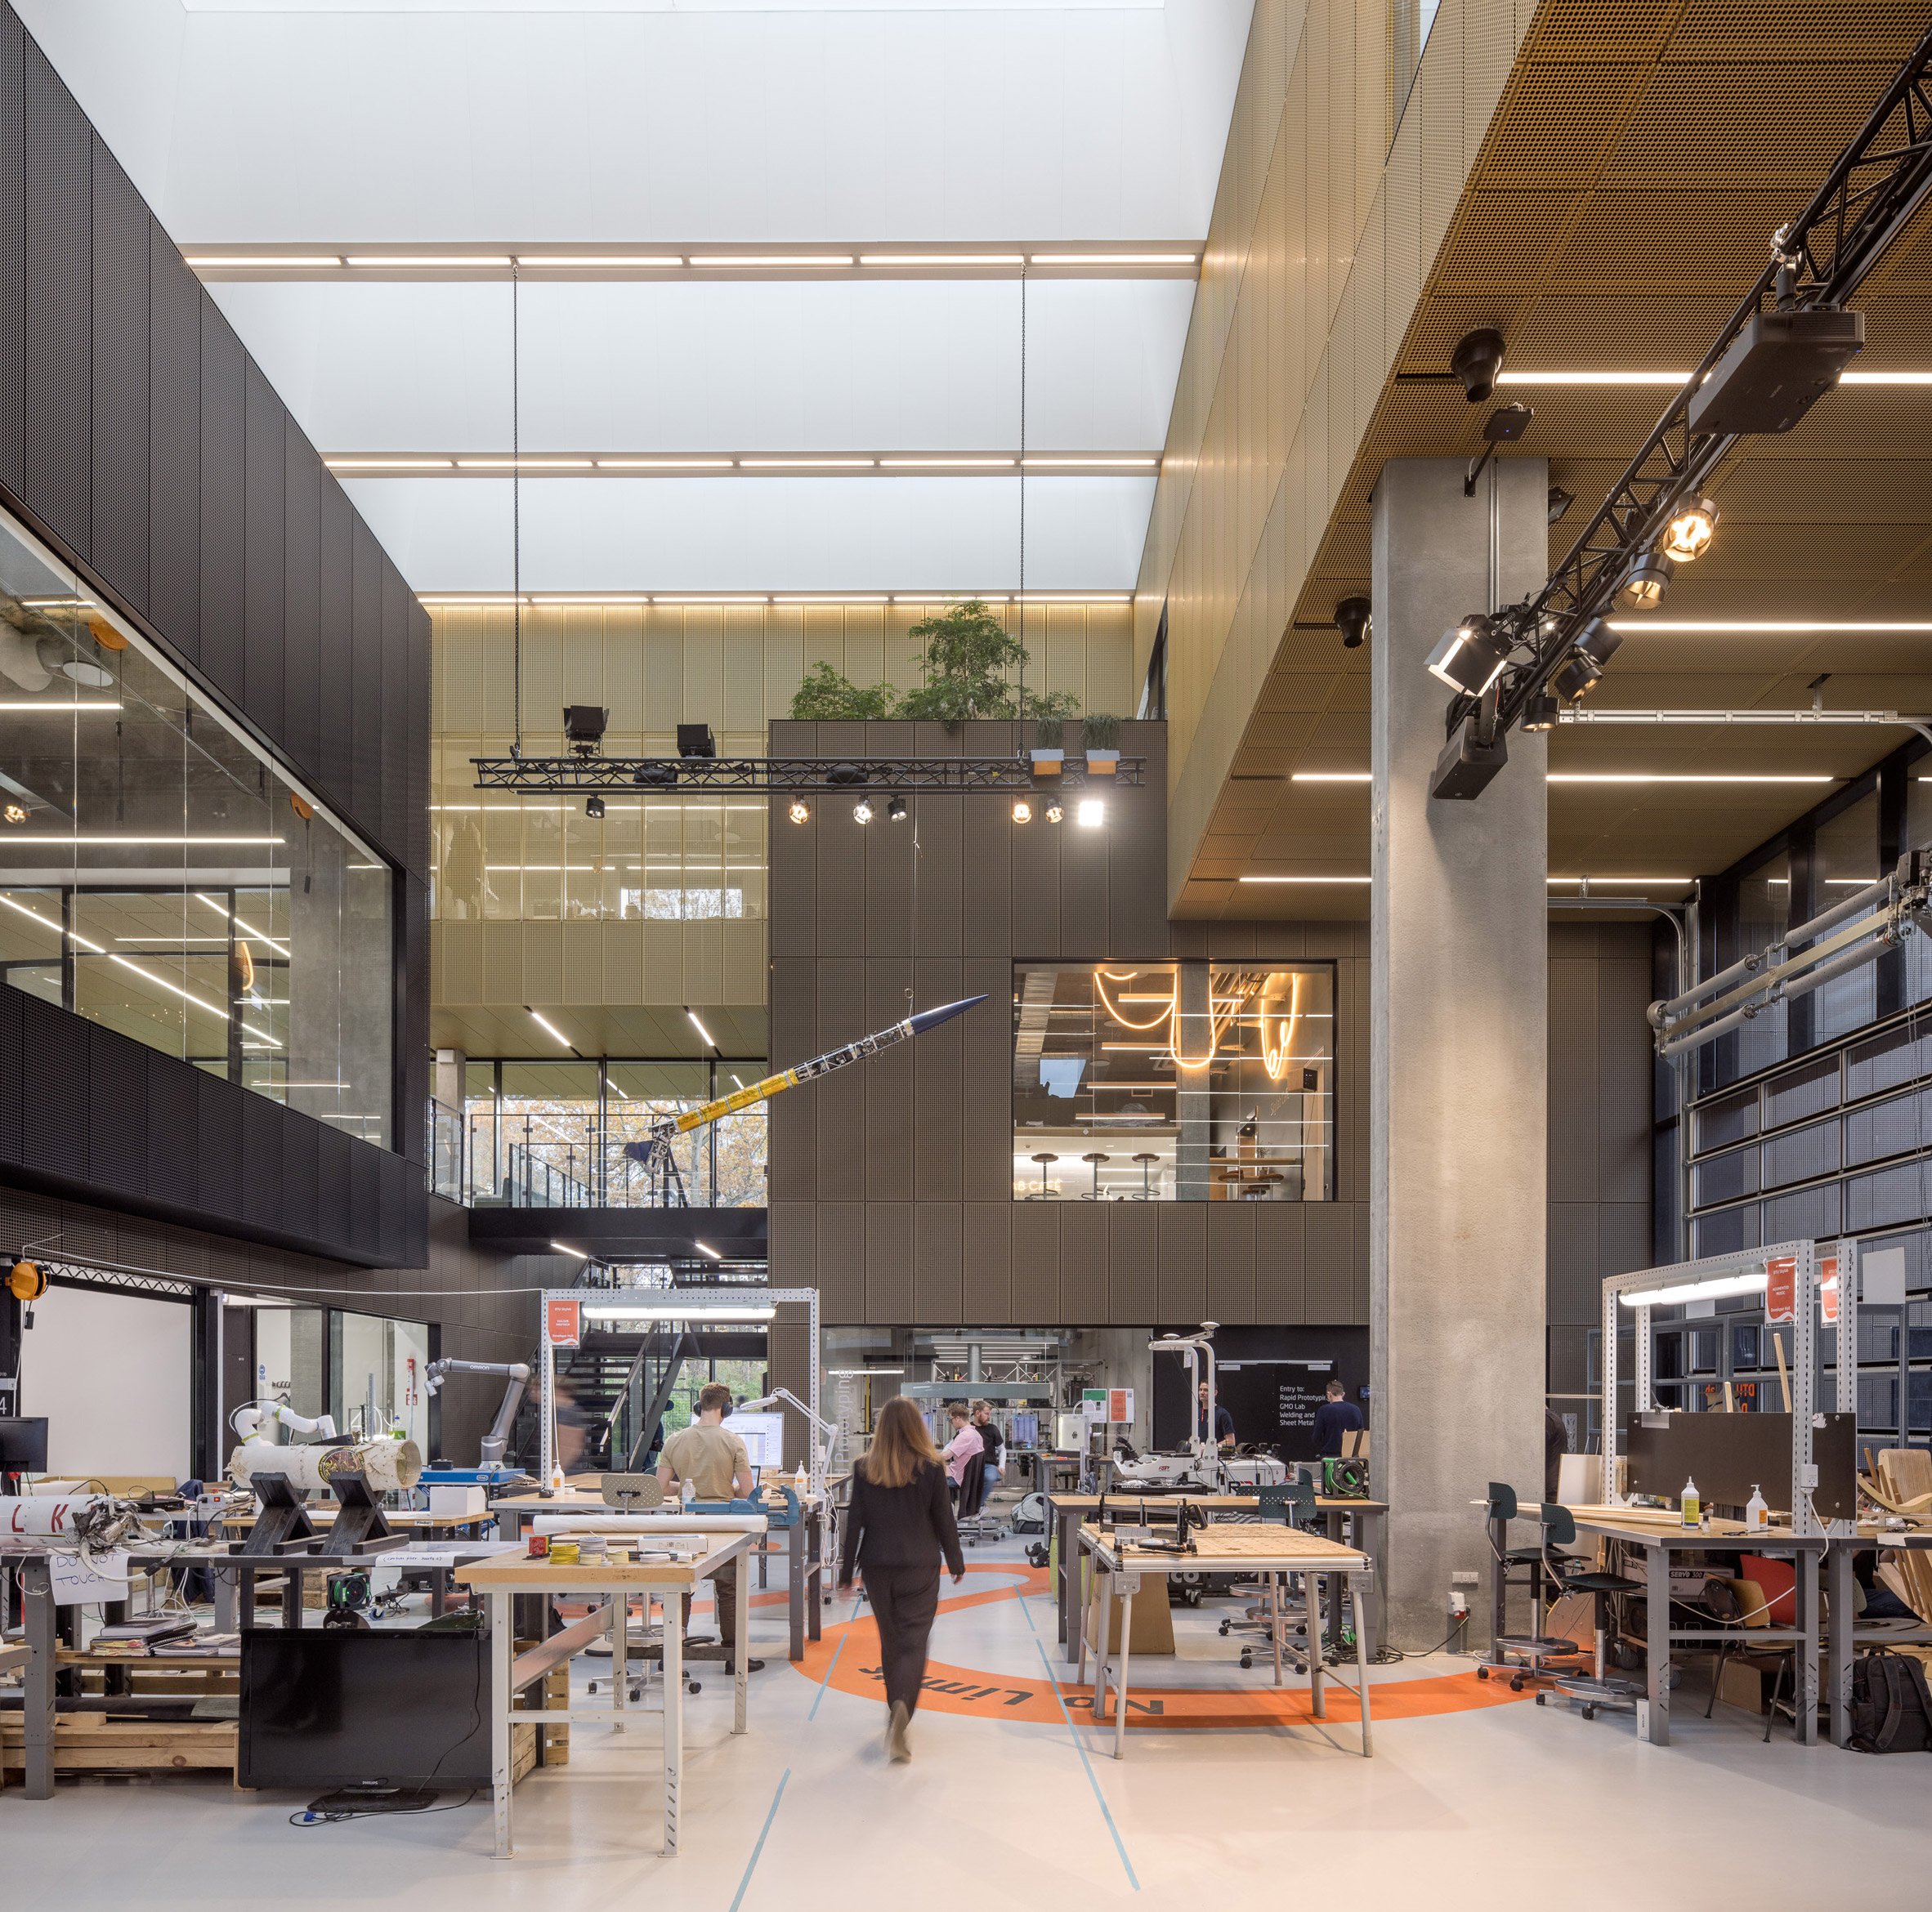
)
(247, 1421)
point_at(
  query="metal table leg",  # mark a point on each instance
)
(619, 1607)
(227, 1601)
(502, 1645)
(1655, 1718)
(1361, 1667)
(1066, 1578)
(815, 1557)
(1838, 1560)
(1807, 1667)
(292, 1597)
(1129, 1587)
(1275, 1584)
(38, 1701)
(794, 1592)
(1373, 1538)
(673, 1639)
(1312, 1585)
(1103, 1588)
(1499, 1591)
(743, 1656)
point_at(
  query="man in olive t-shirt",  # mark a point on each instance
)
(712, 1459)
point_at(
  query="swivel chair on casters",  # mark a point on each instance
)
(1534, 1656)
(1559, 1530)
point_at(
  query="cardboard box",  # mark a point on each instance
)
(457, 1503)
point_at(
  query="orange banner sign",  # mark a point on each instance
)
(1781, 1294)
(563, 1323)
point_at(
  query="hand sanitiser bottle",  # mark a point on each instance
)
(1690, 1507)
(1757, 1516)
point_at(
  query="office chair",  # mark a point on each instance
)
(978, 1525)
(1292, 1504)
(1538, 1655)
(1559, 1530)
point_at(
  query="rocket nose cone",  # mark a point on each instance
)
(925, 1018)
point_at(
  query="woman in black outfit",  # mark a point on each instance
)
(899, 1524)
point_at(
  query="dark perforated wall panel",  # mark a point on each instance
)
(119, 505)
(101, 1118)
(264, 600)
(58, 189)
(174, 446)
(140, 441)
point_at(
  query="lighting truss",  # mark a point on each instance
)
(689, 775)
(1819, 260)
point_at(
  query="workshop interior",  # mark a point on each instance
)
(1244, 1200)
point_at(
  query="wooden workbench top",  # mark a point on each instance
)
(1215, 1503)
(1228, 1545)
(523, 1572)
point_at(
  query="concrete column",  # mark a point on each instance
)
(1458, 1089)
(1194, 1035)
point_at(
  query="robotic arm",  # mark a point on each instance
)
(497, 1441)
(247, 1421)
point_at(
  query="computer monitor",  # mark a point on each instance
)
(325, 1707)
(763, 1435)
(22, 1443)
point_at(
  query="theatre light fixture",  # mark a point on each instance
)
(1467, 657)
(862, 812)
(798, 811)
(896, 810)
(1022, 810)
(1578, 674)
(1687, 535)
(1646, 581)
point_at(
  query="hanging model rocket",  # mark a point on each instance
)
(663, 1130)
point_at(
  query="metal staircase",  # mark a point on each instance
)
(622, 1379)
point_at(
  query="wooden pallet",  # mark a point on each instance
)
(93, 1744)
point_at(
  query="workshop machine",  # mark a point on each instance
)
(1199, 1465)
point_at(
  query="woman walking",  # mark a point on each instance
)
(899, 1524)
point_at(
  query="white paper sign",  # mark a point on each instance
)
(76, 1582)
(1881, 1278)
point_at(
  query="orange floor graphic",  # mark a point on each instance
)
(854, 1668)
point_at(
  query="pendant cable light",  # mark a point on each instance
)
(1023, 703)
(515, 511)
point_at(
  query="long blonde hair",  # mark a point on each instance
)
(900, 1445)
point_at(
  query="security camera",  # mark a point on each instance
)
(1477, 361)
(1351, 620)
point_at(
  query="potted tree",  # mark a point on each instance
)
(1100, 736)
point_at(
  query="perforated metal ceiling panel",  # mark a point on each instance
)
(1622, 202)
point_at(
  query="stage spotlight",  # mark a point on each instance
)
(594, 808)
(1560, 502)
(798, 810)
(896, 810)
(1687, 535)
(1578, 673)
(696, 740)
(1056, 811)
(1646, 581)
(584, 727)
(15, 813)
(862, 812)
(1022, 810)
(1539, 713)
(1092, 813)
(1469, 657)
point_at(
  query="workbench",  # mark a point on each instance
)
(1264, 1551)
(1658, 1536)
(804, 1550)
(504, 1576)
(1361, 1524)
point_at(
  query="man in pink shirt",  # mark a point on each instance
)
(964, 1444)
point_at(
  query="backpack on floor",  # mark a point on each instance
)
(1891, 1709)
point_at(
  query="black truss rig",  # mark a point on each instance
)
(1819, 260)
(780, 776)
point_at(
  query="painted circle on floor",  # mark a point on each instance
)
(847, 1659)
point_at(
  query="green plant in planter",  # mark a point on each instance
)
(1048, 732)
(967, 655)
(1099, 731)
(830, 696)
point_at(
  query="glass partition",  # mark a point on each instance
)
(578, 1135)
(159, 875)
(376, 1371)
(1191, 1081)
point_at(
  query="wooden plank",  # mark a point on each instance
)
(534, 1662)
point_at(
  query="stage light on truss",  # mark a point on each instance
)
(798, 810)
(896, 810)
(593, 808)
(1022, 810)
(1646, 581)
(1687, 535)
(862, 812)
(1056, 811)
(1469, 657)
(1091, 813)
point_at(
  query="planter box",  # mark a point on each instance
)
(1103, 763)
(1046, 763)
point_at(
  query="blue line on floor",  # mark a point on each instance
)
(1027, 1616)
(827, 1680)
(1080, 1747)
(751, 1864)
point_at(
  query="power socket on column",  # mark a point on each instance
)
(1464, 1577)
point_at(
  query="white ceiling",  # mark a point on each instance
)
(261, 121)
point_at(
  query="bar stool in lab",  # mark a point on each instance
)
(1043, 1161)
(1096, 1159)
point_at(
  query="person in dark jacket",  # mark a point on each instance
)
(899, 1524)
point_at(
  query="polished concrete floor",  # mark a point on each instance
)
(1465, 1800)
